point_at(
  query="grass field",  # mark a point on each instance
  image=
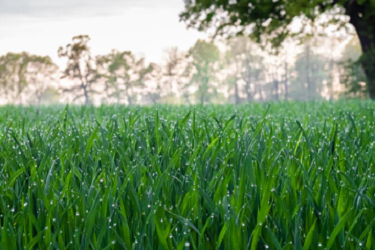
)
(259, 176)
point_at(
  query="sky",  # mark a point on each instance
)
(145, 27)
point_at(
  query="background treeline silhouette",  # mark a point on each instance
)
(240, 71)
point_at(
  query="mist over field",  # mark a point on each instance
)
(195, 124)
(142, 53)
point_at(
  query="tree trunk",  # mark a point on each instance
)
(308, 72)
(276, 89)
(286, 79)
(260, 92)
(84, 86)
(86, 94)
(39, 98)
(249, 96)
(187, 99)
(363, 20)
(127, 95)
(331, 64)
(236, 94)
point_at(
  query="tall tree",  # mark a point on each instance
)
(286, 79)
(204, 56)
(172, 68)
(273, 71)
(13, 76)
(274, 18)
(245, 65)
(80, 68)
(184, 80)
(311, 72)
(123, 73)
(23, 75)
(150, 81)
(40, 74)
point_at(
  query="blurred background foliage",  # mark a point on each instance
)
(273, 50)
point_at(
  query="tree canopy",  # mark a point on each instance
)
(204, 59)
(270, 17)
(272, 20)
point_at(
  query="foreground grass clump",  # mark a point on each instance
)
(270, 176)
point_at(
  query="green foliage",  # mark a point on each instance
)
(353, 78)
(208, 177)
(268, 17)
(13, 72)
(24, 72)
(80, 68)
(122, 72)
(352, 50)
(270, 21)
(311, 72)
(244, 63)
(353, 65)
(205, 56)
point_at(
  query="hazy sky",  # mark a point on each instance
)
(145, 27)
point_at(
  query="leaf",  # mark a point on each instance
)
(34, 241)
(222, 234)
(276, 243)
(183, 220)
(184, 120)
(368, 242)
(90, 143)
(15, 175)
(228, 121)
(210, 146)
(46, 187)
(340, 226)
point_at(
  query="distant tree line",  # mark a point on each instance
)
(275, 21)
(241, 72)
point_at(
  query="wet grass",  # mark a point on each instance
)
(260, 176)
